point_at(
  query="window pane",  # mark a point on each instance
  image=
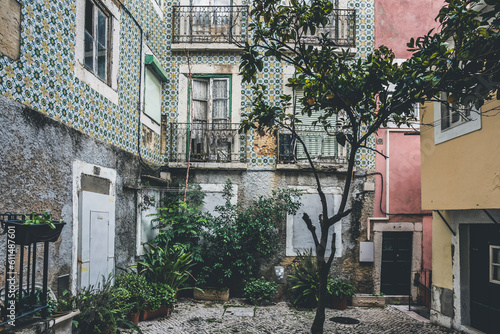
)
(102, 52)
(152, 101)
(445, 116)
(496, 273)
(89, 51)
(200, 90)
(220, 112)
(220, 89)
(455, 114)
(495, 255)
(200, 109)
(89, 18)
(102, 28)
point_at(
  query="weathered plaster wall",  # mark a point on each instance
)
(397, 21)
(447, 180)
(36, 175)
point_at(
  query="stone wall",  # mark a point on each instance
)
(36, 175)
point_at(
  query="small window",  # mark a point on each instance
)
(96, 57)
(495, 264)
(152, 99)
(453, 114)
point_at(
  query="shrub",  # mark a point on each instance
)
(260, 292)
(305, 280)
(340, 288)
(102, 308)
(138, 288)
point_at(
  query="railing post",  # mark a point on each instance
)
(45, 311)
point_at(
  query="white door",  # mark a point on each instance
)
(96, 238)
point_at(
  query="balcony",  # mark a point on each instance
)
(209, 143)
(322, 147)
(341, 28)
(210, 24)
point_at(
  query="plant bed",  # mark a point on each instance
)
(366, 300)
(212, 294)
(149, 315)
(26, 232)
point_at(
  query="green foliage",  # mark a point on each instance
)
(238, 238)
(40, 218)
(102, 308)
(168, 265)
(461, 58)
(340, 288)
(260, 291)
(181, 221)
(304, 280)
(139, 290)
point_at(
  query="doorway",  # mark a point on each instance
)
(396, 263)
(96, 238)
(485, 277)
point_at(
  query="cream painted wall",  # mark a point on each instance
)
(462, 173)
(442, 268)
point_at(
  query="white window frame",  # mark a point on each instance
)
(109, 87)
(493, 265)
(460, 128)
(211, 98)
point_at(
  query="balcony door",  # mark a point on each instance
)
(210, 119)
(212, 17)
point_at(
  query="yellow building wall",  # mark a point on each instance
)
(442, 273)
(464, 172)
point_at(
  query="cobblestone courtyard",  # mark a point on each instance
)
(198, 317)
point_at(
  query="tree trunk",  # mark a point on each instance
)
(319, 319)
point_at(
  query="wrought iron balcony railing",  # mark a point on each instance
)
(216, 142)
(210, 24)
(341, 28)
(320, 145)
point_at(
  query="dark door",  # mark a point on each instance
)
(396, 263)
(485, 277)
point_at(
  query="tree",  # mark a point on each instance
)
(362, 94)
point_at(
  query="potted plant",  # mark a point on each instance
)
(138, 291)
(160, 302)
(260, 291)
(340, 290)
(32, 228)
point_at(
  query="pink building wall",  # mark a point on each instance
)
(397, 21)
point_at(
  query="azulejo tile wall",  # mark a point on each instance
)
(43, 78)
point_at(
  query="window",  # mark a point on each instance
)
(97, 24)
(211, 100)
(495, 264)
(318, 142)
(453, 114)
(153, 77)
(97, 45)
(452, 120)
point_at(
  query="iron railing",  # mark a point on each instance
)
(210, 24)
(341, 28)
(320, 145)
(22, 297)
(205, 142)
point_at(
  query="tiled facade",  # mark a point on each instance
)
(43, 78)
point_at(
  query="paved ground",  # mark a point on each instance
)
(197, 317)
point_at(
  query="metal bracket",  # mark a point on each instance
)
(449, 227)
(490, 216)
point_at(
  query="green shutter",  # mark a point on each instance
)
(317, 141)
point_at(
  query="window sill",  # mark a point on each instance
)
(95, 83)
(329, 166)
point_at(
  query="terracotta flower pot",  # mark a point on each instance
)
(148, 315)
(339, 303)
(134, 317)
